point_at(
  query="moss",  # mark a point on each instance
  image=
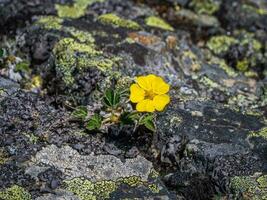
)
(117, 21)
(50, 22)
(157, 22)
(242, 65)
(205, 6)
(261, 133)
(221, 44)
(15, 193)
(262, 180)
(76, 10)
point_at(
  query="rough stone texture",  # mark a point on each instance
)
(94, 168)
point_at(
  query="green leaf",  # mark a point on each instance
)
(94, 123)
(2, 53)
(129, 117)
(111, 98)
(148, 122)
(150, 125)
(80, 113)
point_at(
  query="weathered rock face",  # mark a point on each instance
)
(211, 140)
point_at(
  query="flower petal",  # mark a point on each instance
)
(137, 93)
(145, 82)
(159, 86)
(145, 106)
(160, 101)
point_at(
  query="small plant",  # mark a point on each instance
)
(147, 95)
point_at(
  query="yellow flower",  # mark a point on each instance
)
(149, 93)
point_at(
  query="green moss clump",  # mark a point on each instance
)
(157, 22)
(242, 65)
(76, 10)
(15, 193)
(87, 190)
(113, 19)
(205, 6)
(50, 22)
(261, 133)
(221, 44)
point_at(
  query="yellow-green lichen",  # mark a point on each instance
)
(76, 10)
(154, 188)
(251, 74)
(32, 138)
(205, 6)
(250, 186)
(222, 64)
(132, 181)
(261, 133)
(50, 22)
(262, 180)
(88, 190)
(154, 174)
(157, 22)
(221, 44)
(190, 57)
(71, 54)
(67, 60)
(251, 9)
(3, 156)
(113, 19)
(242, 65)
(208, 82)
(15, 193)
(81, 36)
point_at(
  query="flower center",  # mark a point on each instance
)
(149, 95)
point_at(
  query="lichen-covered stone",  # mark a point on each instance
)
(50, 22)
(220, 44)
(15, 193)
(157, 22)
(113, 19)
(76, 10)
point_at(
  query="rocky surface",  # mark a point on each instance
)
(209, 143)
